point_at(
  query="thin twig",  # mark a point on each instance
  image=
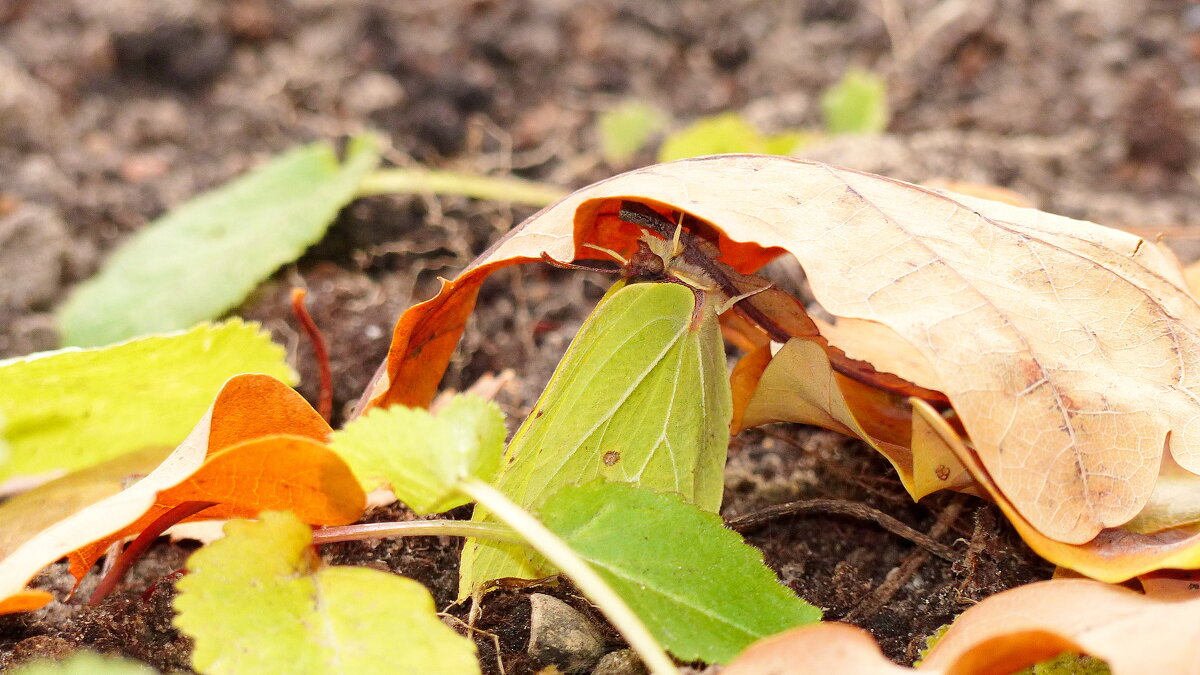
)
(141, 543)
(985, 523)
(472, 630)
(841, 507)
(325, 397)
(909, 566)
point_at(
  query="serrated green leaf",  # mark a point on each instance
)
(256, 602)
(703, 592)
(84, 663)
(641, 396)
(626, 128)
(204, 257)
(74, 408)
(422, 456)
(857, 104)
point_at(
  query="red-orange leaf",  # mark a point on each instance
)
(259, 447)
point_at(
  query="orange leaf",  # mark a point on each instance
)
(1132, 633)
(25, 601)
(259, 447)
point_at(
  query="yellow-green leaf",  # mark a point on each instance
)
(204, 257)
(727, 132)
(422, 456)
(641, 396)
(857, 104)
(74, 408)
(84, 663)
(258, 602)
(626, 128)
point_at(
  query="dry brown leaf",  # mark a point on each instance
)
(1068, 350)
(1191, 276)
(1115, 555)
(800, 385)
(1133, 633)
(879, 345)
(260, 446)
(980, 190)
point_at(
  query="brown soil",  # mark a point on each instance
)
(113, 112)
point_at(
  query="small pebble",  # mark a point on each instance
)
(559, 635)
(620, 662)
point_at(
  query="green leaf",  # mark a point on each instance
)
(727, 132)
(1068, 664)
(423, 456)
(84, 663)
(74, 408)
(703, 592)
(257, 602)
(857, 104)
(641, 396)
(204, 257)
(626, 128)
(4, 453)
(788, 142)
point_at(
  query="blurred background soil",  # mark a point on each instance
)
(113, 112)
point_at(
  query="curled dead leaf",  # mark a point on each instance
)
(1133, 633)
(1066, 349)
(260, 446)
(1115, 554)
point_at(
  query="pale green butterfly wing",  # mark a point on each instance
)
(641, 396)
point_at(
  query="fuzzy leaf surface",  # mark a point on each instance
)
(72, 408)
(422, 456)
(205, 256)
(307, 618)
(641, 396)
(702, 591)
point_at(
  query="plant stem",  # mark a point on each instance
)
(417, 528)
(585, 578)
(140, 544)
(516, 190)
(320, 351)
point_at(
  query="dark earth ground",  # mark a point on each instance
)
(112, 112)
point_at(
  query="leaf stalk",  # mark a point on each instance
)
(417, 528)
(514, 190)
